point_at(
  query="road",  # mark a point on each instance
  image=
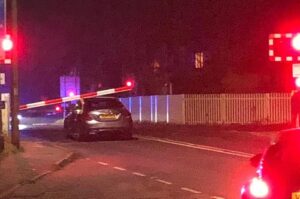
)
(141, 168)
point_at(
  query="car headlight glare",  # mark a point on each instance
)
(19, 117)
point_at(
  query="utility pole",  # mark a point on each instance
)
(15, 136)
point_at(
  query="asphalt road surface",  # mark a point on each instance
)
(140, 168)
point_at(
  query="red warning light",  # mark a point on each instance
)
(296, 42)
(129, 83)
(7, 43)
(57, 108)
(297, 82)
(284, 47)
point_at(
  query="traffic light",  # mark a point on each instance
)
(7, 43)
(284, 47)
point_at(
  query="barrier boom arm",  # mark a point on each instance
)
(76, 97)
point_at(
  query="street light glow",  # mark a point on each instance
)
(71, 94)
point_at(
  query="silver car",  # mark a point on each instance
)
(96, 116)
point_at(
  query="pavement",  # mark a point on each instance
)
(35, 160)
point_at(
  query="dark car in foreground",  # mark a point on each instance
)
(97, 116)
(278, 170)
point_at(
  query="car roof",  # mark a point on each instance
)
(100, 98)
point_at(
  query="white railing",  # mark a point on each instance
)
(158, 108)
(269, 108)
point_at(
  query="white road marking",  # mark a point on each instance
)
(197, 146)
(153, 177)
(103, 163)
(120, 168)
(138, 174)
(216, 197)
(190, 190)
(163, 181)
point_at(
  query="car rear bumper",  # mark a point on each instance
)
(123, 125)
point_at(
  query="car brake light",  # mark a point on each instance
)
(258, 188)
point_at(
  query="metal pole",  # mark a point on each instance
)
(1, 130)
(15, 136)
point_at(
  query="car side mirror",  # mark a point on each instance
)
(254, 161)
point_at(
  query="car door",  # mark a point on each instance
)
(74, 114)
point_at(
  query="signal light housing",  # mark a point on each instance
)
(284, 47)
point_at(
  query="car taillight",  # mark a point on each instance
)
(258, 188)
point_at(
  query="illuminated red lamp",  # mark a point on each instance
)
(284, 47)
(296, 42)
(57, 108)
(297, 82)
(7, 43)
(129, 83)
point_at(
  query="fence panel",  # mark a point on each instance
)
(280, 108)
(202, 109)
(273, 108)
(268, 108)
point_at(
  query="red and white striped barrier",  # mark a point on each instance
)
(76, 97)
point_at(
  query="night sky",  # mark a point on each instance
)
(114, 39)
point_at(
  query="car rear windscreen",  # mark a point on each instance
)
(103, 104)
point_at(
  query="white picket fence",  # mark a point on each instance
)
(268, 108)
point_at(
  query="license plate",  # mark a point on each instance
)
(296, 195)
(108, 116)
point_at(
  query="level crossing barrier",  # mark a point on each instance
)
(76, 97)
